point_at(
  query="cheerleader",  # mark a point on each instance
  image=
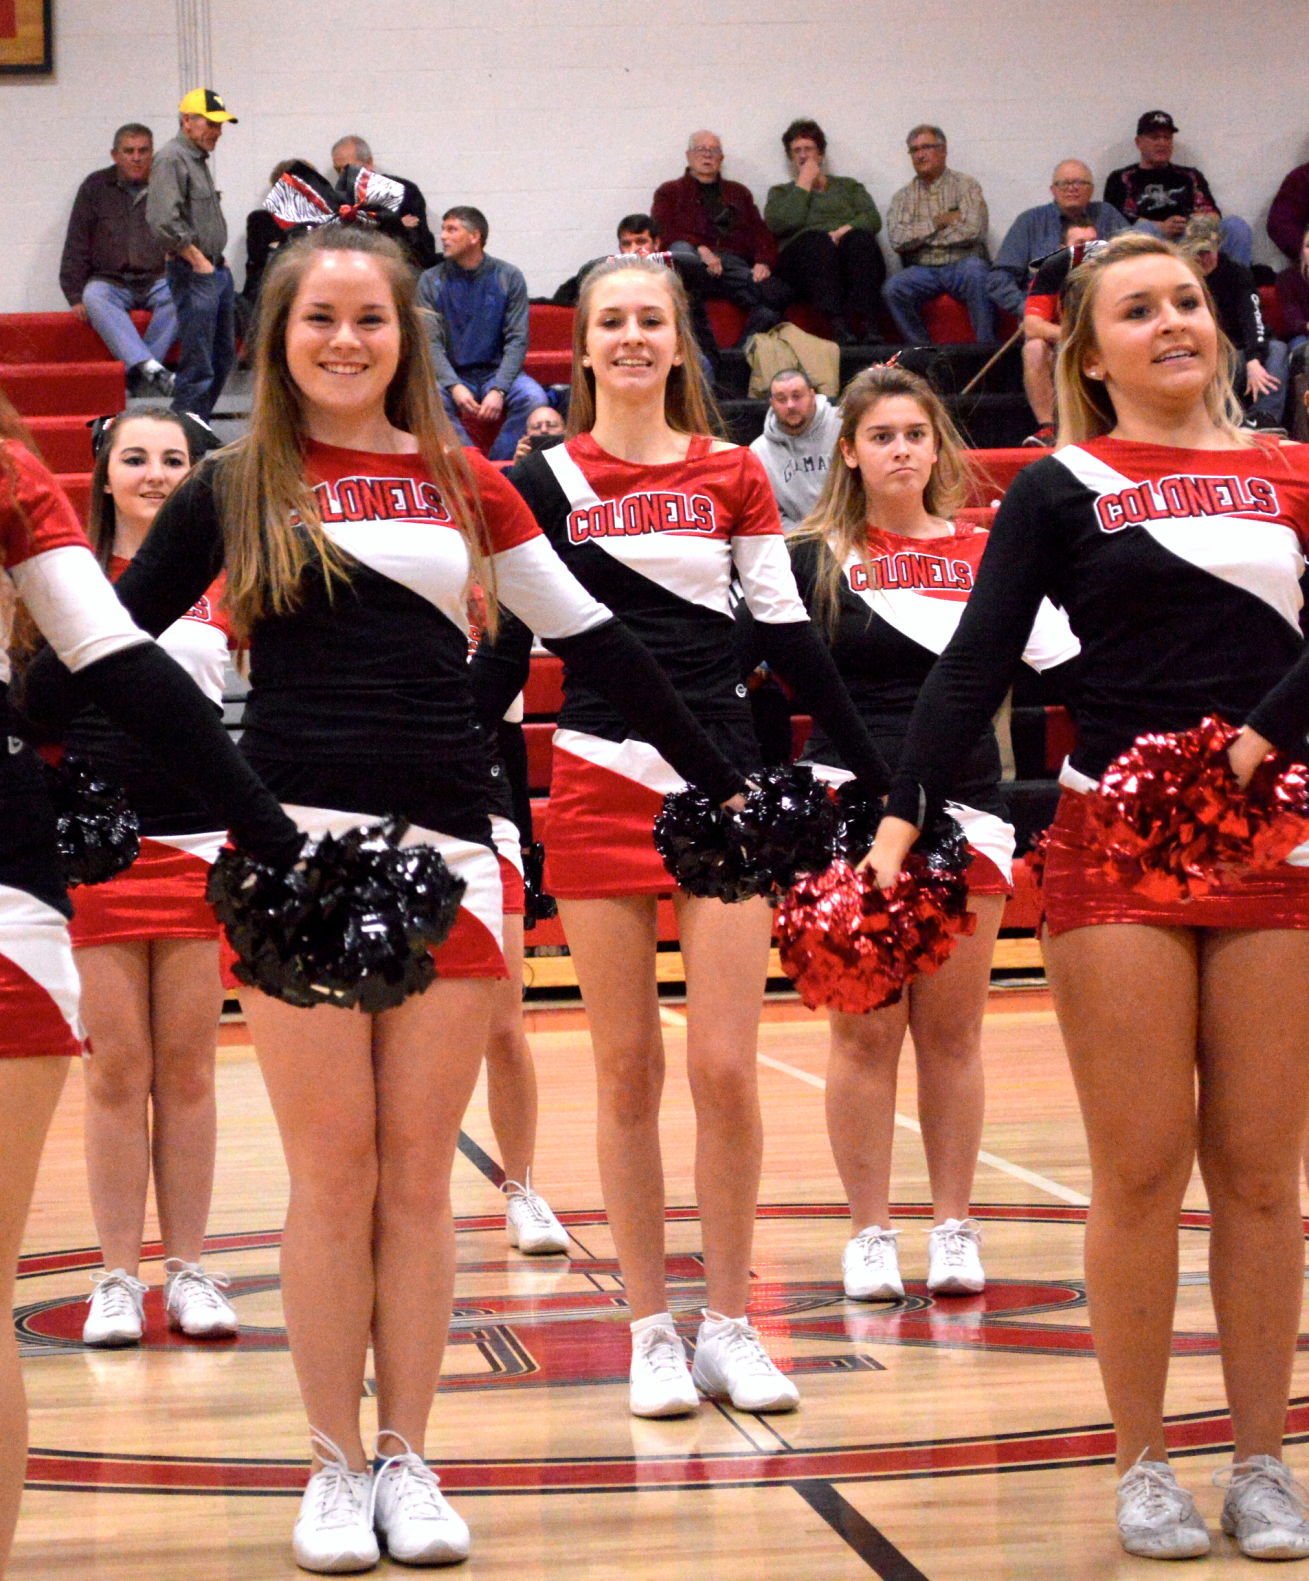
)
(351, 526)
(45, 561)
(886, 574)
(1176, 545)
(146, 943)
(654, 515)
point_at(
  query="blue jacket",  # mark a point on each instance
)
(1034, 234)
(478, 324)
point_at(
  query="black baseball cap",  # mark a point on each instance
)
(1155, 121)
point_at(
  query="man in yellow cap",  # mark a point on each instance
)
(184, 213)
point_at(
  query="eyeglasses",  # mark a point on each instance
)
(1070, 186)
(922, 148)
(716, 152)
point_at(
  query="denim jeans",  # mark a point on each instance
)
(520, 398)
(107, 307)
(206, 322)
(964, 280)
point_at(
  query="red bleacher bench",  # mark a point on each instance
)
(64, 442)
(54, 389)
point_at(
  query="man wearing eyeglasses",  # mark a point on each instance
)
(1038, 232)
(937, 224)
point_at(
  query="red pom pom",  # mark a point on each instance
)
(1174, 823)
(847, 944)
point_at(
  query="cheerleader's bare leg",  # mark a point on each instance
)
(862, 1074)
(1127, 997)
(510, 1073)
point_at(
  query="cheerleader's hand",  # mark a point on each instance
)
(1246, 753)
(891, 845)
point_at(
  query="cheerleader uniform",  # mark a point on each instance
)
(48, 563)
(360, 704)
(162, 894)
(1180, 572)
(898, 604)
(660, 544)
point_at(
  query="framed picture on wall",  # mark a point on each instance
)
(26, 37)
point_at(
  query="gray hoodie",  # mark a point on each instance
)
(797, 464)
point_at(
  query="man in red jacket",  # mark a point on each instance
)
(718, 235)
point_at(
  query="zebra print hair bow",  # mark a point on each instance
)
(300, 198)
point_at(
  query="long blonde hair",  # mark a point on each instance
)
(272, 529)
(1085, 408)
(689, 406)
(838, 523)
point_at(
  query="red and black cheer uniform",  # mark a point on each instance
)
(899, 604)
(360, 703)
(1180, 573)
(47, 562)
(162, 894)
(660, 544)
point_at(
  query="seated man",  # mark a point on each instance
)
(796, 446)
(1042, 317)
(408, 225)
(938, 226)
(478, 332)
(1158, 196)
(718, 237)
(545, 426)
(113, 262)
(1038, 232)
(1260, 367)
(1288, 218)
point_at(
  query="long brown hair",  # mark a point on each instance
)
(102, 516)
(689, 407)
(272, 529)
(838, 523)
(1085, 407)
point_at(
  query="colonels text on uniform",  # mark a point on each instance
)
(645, 511)
(1182, 495)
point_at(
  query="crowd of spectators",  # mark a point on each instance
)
(148, 233)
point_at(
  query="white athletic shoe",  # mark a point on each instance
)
(529, 1223)
(660, 1381)
(195, 1302)
(1264, 1509)
(731, 1363)
(954, 1263)
(117, 1315)
(870, 1269)
(334, 1530)
(410, 1513)
(1157, 1519)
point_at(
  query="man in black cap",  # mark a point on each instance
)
(1158, 196)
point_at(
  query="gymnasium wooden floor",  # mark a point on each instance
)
(960, 1439)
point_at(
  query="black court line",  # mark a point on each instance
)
(481, 1160)
(877, 1551)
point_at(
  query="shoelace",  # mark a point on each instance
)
(1150, 1490)
(954, 1238)
(192, 1279)
(338, 1495)
(662, 1352)
(418, 1489)
(532, 1202)
(1263, 1483)
(874, 1244)
(745, 1347)
(116, 1291)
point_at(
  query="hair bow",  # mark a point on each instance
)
(301, 198)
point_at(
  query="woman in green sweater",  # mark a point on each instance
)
(826, 227)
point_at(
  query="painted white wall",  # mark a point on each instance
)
(558, 116)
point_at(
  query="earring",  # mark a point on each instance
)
(1091, 373)
(586, 362)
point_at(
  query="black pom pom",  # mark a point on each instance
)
(857, 818)
(98, 833)
(943, 847)
(352, 923)
(700, 845)
(787, 825)
(538, 906)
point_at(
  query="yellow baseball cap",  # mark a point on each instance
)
(204, 101)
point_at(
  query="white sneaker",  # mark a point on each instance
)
(410, 1513)
(194, 1302)
(334, 1530)
(870, 1269)
(529, 1223)
(117, 1315)
(1264, 1509)
(660, 1381)
(1156, 1518)
(731, 1363)
(954, 1264)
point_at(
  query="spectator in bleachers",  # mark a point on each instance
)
(263, 237)
(1259, 369)
(408, 224)
(545, 425)
(1042, 320)
(1038, 232)
(937, 224)
(1158, 196)
(717, 236)
(1293, 295)
(1288, 218)
(184, 213)
(827, 229)
(478, 332)
(112, 262)
(796, 445)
